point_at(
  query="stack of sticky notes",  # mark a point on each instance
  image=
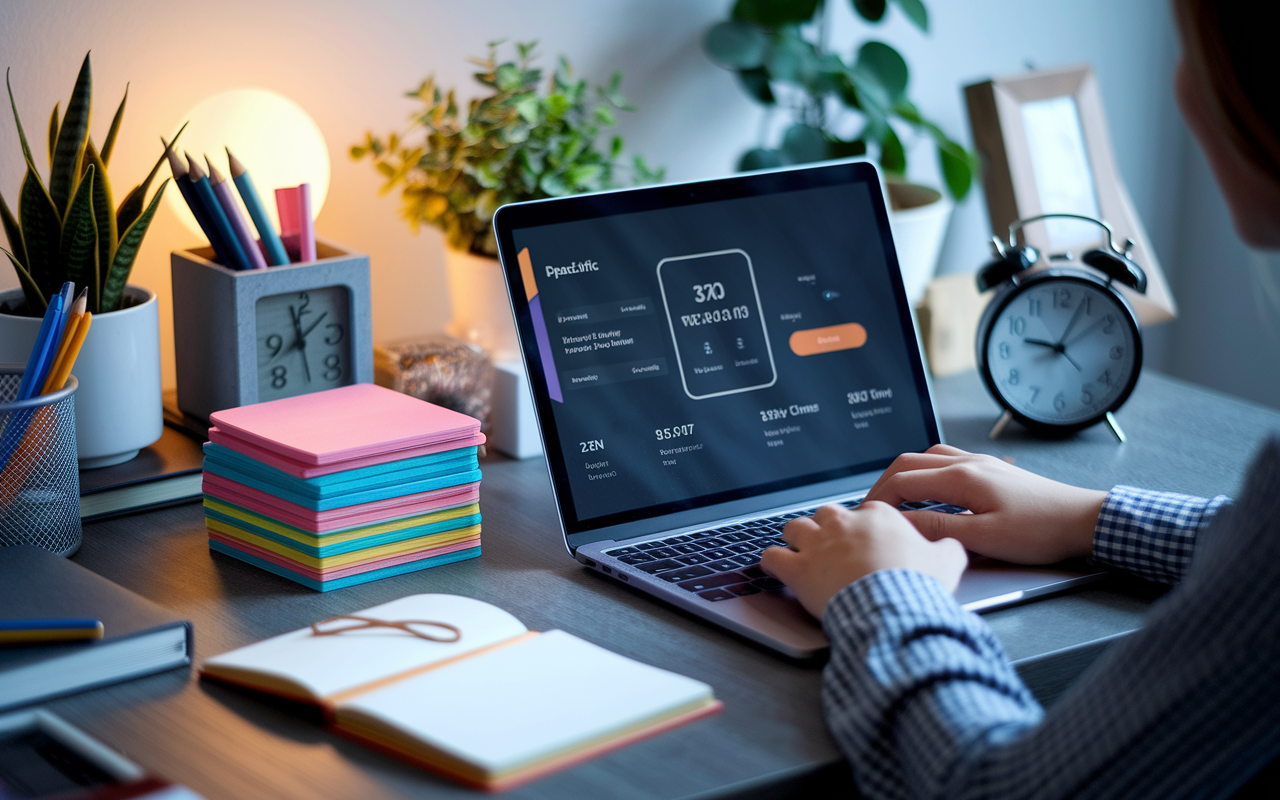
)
(344, 486)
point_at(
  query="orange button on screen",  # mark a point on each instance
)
(828, 340)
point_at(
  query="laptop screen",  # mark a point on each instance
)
(690, 345)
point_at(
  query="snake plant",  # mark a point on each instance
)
(69, 229)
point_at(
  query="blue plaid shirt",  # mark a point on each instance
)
(924, 703)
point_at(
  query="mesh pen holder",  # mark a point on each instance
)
(39, 476)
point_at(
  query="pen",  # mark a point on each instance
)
(68, 359)
(30, 631)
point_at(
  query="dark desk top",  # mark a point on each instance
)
(225, 744)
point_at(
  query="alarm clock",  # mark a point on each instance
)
(249, 336)
(1059, 348)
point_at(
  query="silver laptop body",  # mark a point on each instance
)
(709, 359)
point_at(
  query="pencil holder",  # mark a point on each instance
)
(39, 476)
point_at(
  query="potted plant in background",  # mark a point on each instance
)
(781, 53)
(71, 230)
(513, 144)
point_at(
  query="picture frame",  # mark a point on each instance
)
(1043, 139)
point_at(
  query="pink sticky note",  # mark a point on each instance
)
(339, 425)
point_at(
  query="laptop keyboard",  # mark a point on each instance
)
(724, 563)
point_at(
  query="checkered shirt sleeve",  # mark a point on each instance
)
(1151, 534)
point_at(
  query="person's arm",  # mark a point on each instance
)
(1021, 517)
(1151, 534)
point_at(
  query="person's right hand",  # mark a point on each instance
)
(1017, 516)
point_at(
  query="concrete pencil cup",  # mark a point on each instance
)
(39, 475)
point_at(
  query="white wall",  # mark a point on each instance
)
(348, 65)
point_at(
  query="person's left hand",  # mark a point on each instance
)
(836, 546)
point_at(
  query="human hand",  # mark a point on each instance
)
(1017, 515)
(836, 546)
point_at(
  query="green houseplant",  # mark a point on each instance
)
(70, 229)
(522, 139)
(513, 144)
(781, 53)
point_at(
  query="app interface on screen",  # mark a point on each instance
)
(719, 346)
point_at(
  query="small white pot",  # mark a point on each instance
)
(919, 227)
(118, 404)
(481, 311)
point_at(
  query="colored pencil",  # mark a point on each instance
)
(44, 350)
(73, 352)
(294, 205)
(33, 631)
(74, 317)
(222, 191)
(204, 191)
(183, 180)
(257, 212)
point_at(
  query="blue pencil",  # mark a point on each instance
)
(249, 194)
(46, 347)
(204, 191)
(68, 298)
(183, 180)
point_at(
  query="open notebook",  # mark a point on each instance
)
(497, 707)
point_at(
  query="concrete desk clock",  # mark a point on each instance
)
(248, 336)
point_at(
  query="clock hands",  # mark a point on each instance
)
(300, 340)
(1087, 330)
(1074, 318)
(1059, 348)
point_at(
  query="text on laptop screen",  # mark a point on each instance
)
(719, 349)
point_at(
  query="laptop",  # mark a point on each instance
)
(709, 360)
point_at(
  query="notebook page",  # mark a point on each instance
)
(327, 665)
(516, 705)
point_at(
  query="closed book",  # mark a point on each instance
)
(139, 637)
(164, 474)
(494, 706)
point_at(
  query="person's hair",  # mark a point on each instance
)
(1231, 51)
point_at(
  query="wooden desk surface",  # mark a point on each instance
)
(226, 744)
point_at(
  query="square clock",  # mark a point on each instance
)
(248, 336)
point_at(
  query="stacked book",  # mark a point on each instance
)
(344, 486)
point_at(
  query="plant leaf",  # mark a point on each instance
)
(53, 132)
(22, 136)
(736, 44)
(103, 213)
(78, 249)
(131, 205)
(13, 231)
(916, 12)
(958, 167)
(126, 252)
(41, 232)
(109, 145)
(839, 148)
(893, 157)
(792, 59)
(870, 10)
(802, 144)
(35, 299)
(69, 151)
(888, 67)
(775, 13)
(756, 82)
(760, 158)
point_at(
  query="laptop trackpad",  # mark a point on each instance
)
(779, 616)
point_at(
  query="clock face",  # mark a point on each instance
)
(1062, 351)
(303, 342)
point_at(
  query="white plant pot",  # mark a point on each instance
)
(481, 311)
(118, 404)
(919, 229)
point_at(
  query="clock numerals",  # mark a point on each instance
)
(1013, 377)
(1110, 324)
(1017, 326)
(1085, 396)
(1059, 402)
(1035, 392)
(1105, 378)
(1117, 353)
(303, 342)
(1062, 298)
(1005, 350)
(1033, 306)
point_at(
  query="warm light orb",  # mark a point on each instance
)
(278, 143)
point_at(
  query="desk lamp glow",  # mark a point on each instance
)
(277, 141)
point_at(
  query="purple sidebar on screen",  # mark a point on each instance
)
(544, 350)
